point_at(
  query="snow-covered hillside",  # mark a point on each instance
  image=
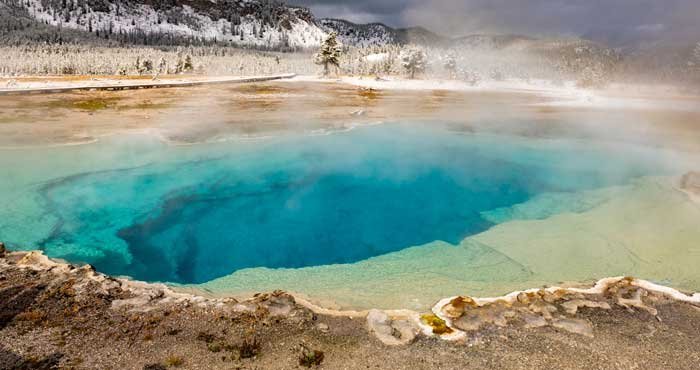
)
(349, 33)
(375, 34)
(250, 23)
(479, 41)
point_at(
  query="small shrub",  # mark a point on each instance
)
(206, 337)
(31, 316)
(214, 347)
(309, 357)
(174, 361)
(154, 367)
(249, 348)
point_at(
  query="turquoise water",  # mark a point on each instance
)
(192, 214)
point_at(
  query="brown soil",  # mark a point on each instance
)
(58, 316)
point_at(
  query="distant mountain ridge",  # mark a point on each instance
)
(380, 34)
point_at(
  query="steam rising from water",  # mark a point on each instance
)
(518, 182)
(190, 214)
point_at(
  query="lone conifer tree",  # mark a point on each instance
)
(329, 54)
(413, 61)
(450, 64)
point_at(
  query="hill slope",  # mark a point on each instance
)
(265, 24)
(380, 34)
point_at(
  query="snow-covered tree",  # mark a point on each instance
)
(592, 78)
(329, 54)
(188, 65)
(184, 65)
(413, 61)
(146, 66)
(471, 78)
(162, 66)
(450, 65)
(696, 56)
(497, 75)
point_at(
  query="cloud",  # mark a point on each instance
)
(538, 17)
(531, 17)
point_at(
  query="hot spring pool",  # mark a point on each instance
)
(389, 216)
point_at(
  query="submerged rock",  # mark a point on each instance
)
(2, 249)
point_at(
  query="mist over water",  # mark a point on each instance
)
(190, 215)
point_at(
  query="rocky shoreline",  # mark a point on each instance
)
(57, 315)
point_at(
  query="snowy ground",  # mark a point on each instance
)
(566, 94)
(48, 84)
(29, 83)
(619, 96)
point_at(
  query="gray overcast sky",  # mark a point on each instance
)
(603, 18)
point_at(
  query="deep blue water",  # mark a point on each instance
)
(308, 201)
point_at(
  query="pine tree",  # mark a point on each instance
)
(188, 65)
(413, 61)
(147, 66)
(162, 66)
(450, 65)
(329, 54)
